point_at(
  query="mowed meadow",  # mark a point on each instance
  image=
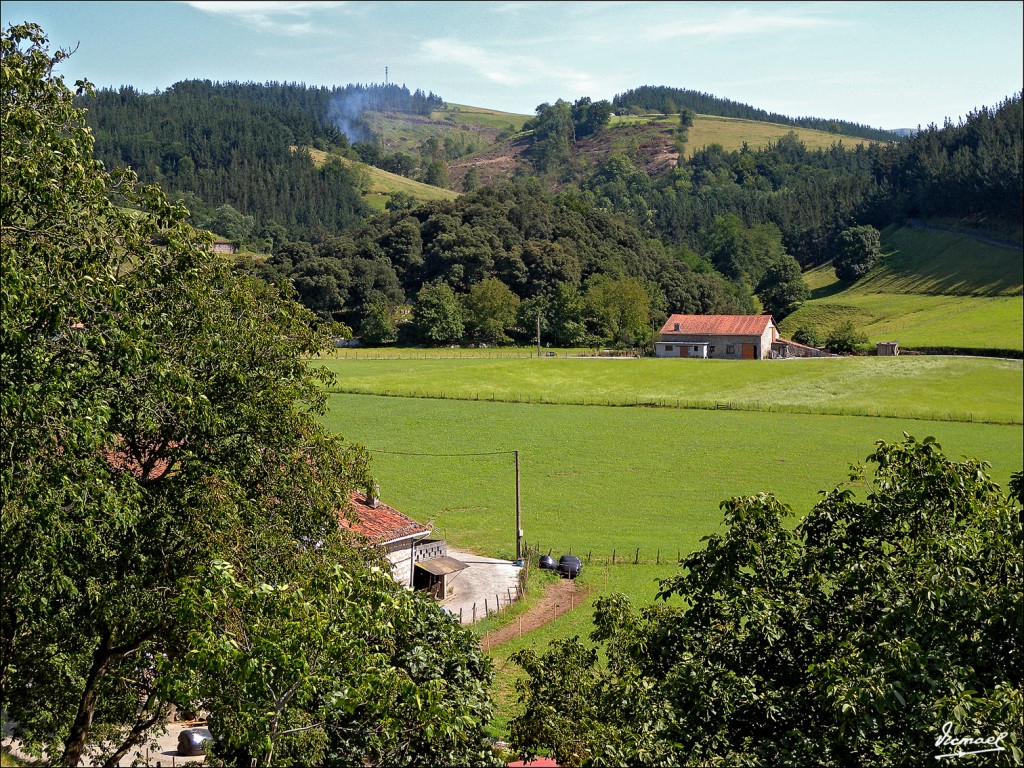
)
(929, 290)
(601, 478)
(635, 482)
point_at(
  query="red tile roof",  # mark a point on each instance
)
(717, 325)
(149, 468)
(382, 523)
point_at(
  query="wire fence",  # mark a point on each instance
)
(617, 556)
(462, 353)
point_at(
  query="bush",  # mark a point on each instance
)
(807, 336)
(846, 338)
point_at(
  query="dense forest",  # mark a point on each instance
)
(649, 98)
(234, 144)
(722, 231)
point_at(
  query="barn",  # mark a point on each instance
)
(727, 337)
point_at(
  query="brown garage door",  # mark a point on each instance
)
(749, 351)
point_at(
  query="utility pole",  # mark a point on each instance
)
(385, 75)
(519, 529)
(538, 331)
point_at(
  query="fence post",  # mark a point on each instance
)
(613, 555)
(658, 560)
(460, 614)
(589, 552)
(486, 611)
(637, 560)
(474, 612)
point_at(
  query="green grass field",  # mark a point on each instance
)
(484, 118)
(931, 289)
(597, 479)
(908, 387)
(639, 482)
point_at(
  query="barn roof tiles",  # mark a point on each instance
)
(381, 523)
(717, 325)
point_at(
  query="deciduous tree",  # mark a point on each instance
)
(156, 414)
(856, 251)
(893, 608)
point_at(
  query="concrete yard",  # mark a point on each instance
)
(487, 584)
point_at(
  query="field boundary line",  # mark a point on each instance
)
(678, 404)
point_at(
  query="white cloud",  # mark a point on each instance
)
(738, 23)
(278, 16)
(508, 70)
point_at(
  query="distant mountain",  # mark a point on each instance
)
(906, 132)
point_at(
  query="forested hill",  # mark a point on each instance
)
(217, 144)
(671, 100)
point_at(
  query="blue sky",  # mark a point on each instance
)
(886, 64)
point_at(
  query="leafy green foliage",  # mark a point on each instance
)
(850, 640)
(846, 338)
(157, 414)
(621, 309)
(437, 315)
(782, 289)
(321, 665)
(490, 311)
(856, 251)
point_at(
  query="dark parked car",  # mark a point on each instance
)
(192, 743)
(569, 566)
(547, 562)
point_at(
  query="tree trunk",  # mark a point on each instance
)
(74, 747)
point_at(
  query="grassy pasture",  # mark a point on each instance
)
(908, 387)
(931, 289)
(597, 478)
(383, 184)
(732, 132)
(485, 118)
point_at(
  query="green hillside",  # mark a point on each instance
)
(931, 289)
(650, 140)
(732, 133)
(472, 128)
(383, 184)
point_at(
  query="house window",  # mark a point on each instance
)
(677, 326)
(730, 349)
(711, 348)
(668, 347)
(695, 349)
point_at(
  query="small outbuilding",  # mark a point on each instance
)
(888, 349)
(223, 245)
(785, 348)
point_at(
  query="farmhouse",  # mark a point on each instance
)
(732, 337)
(417, 561)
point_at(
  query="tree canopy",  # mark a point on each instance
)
(893, 608)
(158, 418)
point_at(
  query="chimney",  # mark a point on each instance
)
(372, 495)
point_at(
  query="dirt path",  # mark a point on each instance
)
(558, 598)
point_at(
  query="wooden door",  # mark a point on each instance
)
(749, 351)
